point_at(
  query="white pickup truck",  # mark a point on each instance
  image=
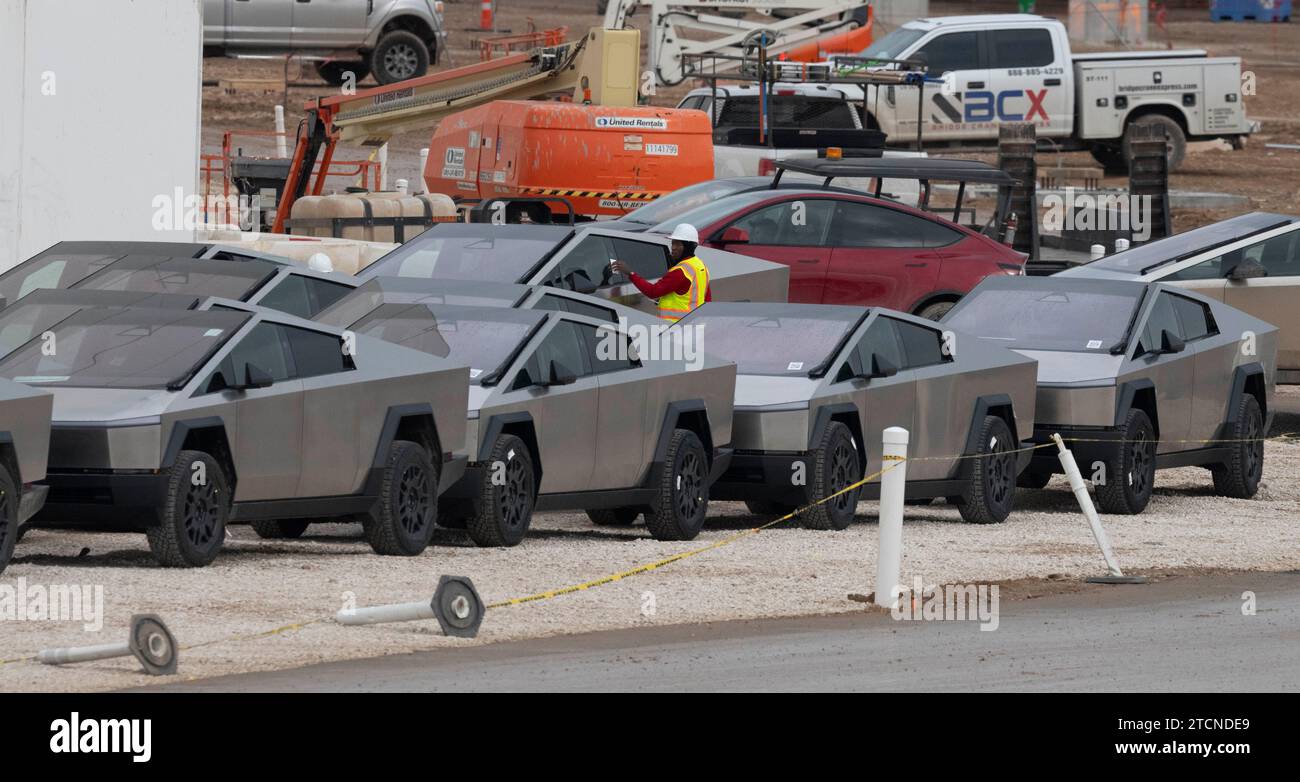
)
(990, 69)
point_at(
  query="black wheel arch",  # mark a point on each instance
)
(1247, 379)
(207, 434)
(414, 422)
(1160, 109)
(413, 24)
(692, 414)
(845, 413)
(1140, 394)
(998, 405)
(9, 458)
(521, 425)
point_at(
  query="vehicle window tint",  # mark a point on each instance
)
(790, 111)
(1163, 317)
(881, 339)
(800, 223)
(263, 347)
(1194, 318)
(1020, 48)
(586, 267)
(289, 295)
(648, 259)
(315, 353)
(565, 346)
(952, 52)
(324, 293)
(693, 102)
(1213, 269)
(859, 224)
(609, 349)
(922, 347)
(1280, 256)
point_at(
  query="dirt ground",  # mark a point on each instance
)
(1269, 178)
(226, 616)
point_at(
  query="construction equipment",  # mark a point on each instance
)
(600, 68)
(677, 27)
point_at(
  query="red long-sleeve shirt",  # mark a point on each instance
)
(675, 281)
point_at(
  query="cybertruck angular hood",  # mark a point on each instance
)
(89, 405)
(1064, 367)
(754, 391)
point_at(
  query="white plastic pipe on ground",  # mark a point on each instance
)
(398, 612)
(1080, 490)
(83, 654)
(281, 141)
(893, 486)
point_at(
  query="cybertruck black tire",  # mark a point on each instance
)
(682, 498)
(1130, 468)
(506, 510)
(1240, 477)
(836, 465)
(408, 502)
(992, 491)
(280, 529)
(613, 517)
(192, 525)
(9, 534)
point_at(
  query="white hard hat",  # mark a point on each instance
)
(320, 262)
(685, 232)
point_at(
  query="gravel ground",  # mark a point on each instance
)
(256, 586)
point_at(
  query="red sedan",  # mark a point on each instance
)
(844, 248)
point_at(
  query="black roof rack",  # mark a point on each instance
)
(922, 168)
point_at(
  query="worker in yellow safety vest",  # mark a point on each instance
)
(683, 287)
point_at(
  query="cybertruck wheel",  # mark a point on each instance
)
(1240, 477)
(408, 502)
(280, 529)
(1034, 479)
(613, 517)
(508, 493)
(192, 527)
(400, 55)
(993, 475)
(1130, 468)
(683, 495)
(770, 507)
(835, 467)
(9, 533)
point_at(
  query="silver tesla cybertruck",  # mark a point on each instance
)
(24, 446)
(1138, 376)
(257, 279)
(567, 412)
(176, 422)
(818, 384)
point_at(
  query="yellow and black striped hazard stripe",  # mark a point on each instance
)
(616, 195)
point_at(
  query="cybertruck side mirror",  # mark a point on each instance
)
(1170, 342)
(1248, 270)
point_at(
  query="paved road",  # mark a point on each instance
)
(1181, 633)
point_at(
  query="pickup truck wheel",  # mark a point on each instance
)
(505, 507)
(408, 502)
(613, 517)
(192, 527)
(683, 495)
(835, 466)
(1130, 469)
(1177, 140)
(1240, 477)
(333, 72)
(993, 475)
(400, 55)
(280, 529)
(8, 517)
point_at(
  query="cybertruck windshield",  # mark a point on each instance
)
(133, 348)
(774, 339)
(483, 339)
(40, 310)
(409, 290)
(199, 277)
(1050, 316)
(470, 251)
(51, 269)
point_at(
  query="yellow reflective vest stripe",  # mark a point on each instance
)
(674, 306)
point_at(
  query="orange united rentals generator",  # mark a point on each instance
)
(604, 160)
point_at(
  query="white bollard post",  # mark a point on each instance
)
(399, 612)
(1097, 251)
(420, 187)
(400, 186)
(893, 486)
(383, 166)
(1121, 245)
(281, 141)
(1080, 489)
